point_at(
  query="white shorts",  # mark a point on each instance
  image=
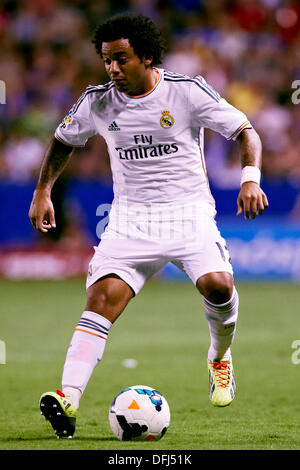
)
(136, 255)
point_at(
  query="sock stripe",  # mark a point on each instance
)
(94, 323)
(222, 308)
(214, 309)
(87, 325)
(90, 333)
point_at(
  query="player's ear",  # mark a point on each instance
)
(147, 61)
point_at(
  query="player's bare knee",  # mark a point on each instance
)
(216, 288)
(219, 294)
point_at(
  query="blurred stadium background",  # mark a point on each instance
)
(248, 50)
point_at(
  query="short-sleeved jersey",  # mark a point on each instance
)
(155, 141)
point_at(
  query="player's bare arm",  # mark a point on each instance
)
(251, 199)
(41, 212)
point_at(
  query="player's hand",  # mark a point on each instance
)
(252, 200)
(41, 212)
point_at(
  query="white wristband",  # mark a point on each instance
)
(250, 173)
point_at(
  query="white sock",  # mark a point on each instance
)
(74, 394)
(85, 351)
(222, 319)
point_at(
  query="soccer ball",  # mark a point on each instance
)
(139, 413)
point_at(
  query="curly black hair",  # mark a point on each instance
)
(141, 32)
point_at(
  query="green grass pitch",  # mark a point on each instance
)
(165, 330)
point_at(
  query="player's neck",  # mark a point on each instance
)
(151, 79)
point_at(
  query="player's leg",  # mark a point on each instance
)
(115, 275)
(205, 259)
(221, 311)
(216, 287)
(108, 296)
(106, 299)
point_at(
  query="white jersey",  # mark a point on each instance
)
(155, 141)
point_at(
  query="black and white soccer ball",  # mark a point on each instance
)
(139, 413)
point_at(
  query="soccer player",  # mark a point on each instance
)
(153, 122)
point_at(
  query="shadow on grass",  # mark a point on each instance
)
(52, 438)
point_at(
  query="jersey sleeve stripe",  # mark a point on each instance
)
(176, 75)
(209, 90)
(91, 89)
(247, 123)
(212, 94)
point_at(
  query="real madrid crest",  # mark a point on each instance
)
(166, 119)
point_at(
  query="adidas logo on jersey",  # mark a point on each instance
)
(113, 127)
